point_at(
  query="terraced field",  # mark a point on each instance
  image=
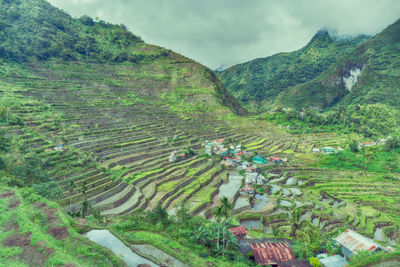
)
(117, 145)
(331, 199)
(118, 136)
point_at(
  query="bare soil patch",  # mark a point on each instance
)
(7, 194)
(58, 232)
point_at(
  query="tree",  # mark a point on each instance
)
(353, 146)
(225, 207)
(4, 143)
(182, 213)
(392, 143)
(5, 113)
(71, 188)
(160, 214)
(218, 214)
(295, 219)
(85, 207)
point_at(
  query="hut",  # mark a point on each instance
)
(352, 242)
(240, 232)
(259, 159)
(274, 254)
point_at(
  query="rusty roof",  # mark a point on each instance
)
(272, 253)
(355, 242)
(241, 230)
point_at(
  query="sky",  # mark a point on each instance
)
(226, 32)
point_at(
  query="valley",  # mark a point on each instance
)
(106, 137)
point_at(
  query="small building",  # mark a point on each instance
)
(334, 261)
(240, 232)
(227, 163)
(259, 159)
(316, 150)
(328, 150)
(254, 178)
(276, 160)
(173, 157)
(274, 254)
(248, 189)
(352, 242)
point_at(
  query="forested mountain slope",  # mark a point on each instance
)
(257, 83)
(368, 74)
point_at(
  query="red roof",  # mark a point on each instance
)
(276, 159)
(220, 140)
(272, 253)
(240, 153)
(241, 230)
(247, 188)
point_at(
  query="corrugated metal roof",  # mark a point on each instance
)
(334, 261)
(272, 253)
(241, 230)
(355, 242)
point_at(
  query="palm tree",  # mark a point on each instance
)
(218, 214)
(295, 219)
(226, 207)
(71, 188)
(85, 207)
(4, 112)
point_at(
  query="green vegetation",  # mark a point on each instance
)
(378, 83)
(189, 239)
(257, 83)
(372, 159)
(315, 75)
(89, 115)
(36, 232)
(377, 120)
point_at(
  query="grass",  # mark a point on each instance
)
(174, 248)
(30, 218)
(139, 175)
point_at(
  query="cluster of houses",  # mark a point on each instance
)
(331, 150)
(234, 157)
(271, 252)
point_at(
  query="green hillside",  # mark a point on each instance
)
(378, 62)
(99, 130)
(257, 83)
(35, 31)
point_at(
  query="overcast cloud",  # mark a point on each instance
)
(227, 32)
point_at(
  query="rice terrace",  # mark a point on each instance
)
(115, 152)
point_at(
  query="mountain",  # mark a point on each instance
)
(368, 74)
(35, 31)
(257, 83)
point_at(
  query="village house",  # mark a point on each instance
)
(173, 157)
(254, 178)
(259, 159)
(328, 150)
(248, 189)
(276, 160)
(59, 147)
(352, 242)
(244, 165)
(334, 261)
(240, 232)
(316, 150)
(275, 254)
